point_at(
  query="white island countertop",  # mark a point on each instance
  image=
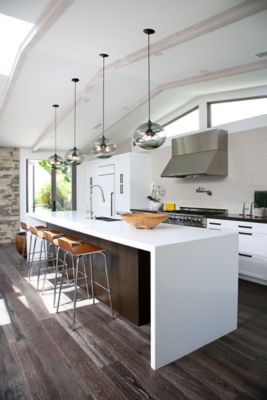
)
(123, 233)
(193, 279)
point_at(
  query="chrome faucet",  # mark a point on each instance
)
(200, 189)
(244, 208)
(91, 198)
(251, 208)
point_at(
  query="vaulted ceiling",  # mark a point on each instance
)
(200, 47)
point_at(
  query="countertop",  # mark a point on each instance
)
(123, 233)
(239, 217)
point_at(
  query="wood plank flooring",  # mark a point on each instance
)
(41, 358)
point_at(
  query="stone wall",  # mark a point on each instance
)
(9, 194)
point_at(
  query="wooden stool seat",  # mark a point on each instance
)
(76, 247)
(37, 231)
(78, 251)
(52, 234)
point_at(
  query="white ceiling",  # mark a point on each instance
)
(199, 47)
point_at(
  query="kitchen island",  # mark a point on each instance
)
(193, 279)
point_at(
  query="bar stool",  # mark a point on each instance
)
(79, 250)
(52, 254)
(37, 232)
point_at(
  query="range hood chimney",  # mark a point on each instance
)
(200, 154)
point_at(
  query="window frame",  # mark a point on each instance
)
(210, 103)
(53, 187)
(181, 116)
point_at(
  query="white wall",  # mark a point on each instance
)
(247, 157)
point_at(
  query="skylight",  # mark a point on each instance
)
(13, 31)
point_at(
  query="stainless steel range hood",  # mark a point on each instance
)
(203, 153)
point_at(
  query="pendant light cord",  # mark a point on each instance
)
(74, 130)
(75, 80)
(148, 32)
(148, 75)
(55, 106)
(103, 100)
(103, 55)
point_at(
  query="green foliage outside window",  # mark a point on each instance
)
(43, 197)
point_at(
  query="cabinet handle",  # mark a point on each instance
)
(121, 188)
(245, 233)
(121, 178)
(245, 255)
(214, 223)
(245, 226)
(111, 203)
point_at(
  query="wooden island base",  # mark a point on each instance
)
(129, 277)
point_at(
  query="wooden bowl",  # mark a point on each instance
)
(144, 220)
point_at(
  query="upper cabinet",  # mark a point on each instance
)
(124, 179)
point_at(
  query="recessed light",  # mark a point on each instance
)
(262, 54)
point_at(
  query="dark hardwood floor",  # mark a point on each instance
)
(41, 358)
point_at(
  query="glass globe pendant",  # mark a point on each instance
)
(55, 160)
(74, 155)
(149, 135)
(103, 147)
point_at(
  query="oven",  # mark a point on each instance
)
(196, 217)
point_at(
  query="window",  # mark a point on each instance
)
(236, 110)
(48, 188)
(185, 123)
(13, 32)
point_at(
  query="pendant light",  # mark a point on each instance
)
(56, 161)
(149, 135)
(74, 156)
(103, 147)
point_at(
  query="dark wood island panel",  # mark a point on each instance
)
(129, 277)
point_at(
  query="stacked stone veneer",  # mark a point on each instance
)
(9, 194)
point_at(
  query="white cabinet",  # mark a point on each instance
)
(252, 246)
(125, 180)
(132, 181)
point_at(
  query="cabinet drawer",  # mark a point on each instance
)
(242, 226)
(255, 244)
(254, 267)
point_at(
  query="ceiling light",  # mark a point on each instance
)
(56, 161)
(103, 147)
(13, 32)
(262, 54)
(74, 156)
(149, 135)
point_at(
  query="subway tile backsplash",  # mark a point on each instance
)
(247, 163)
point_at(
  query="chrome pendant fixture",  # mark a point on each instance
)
(56, 161)
(149, 135)
(103, 147)
(74, 156)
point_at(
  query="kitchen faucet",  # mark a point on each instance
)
(91, 198)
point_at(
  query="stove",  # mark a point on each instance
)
(190, 216)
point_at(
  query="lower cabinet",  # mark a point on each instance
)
(253, 266)
(252, 247)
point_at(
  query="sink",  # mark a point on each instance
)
(107, 219)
